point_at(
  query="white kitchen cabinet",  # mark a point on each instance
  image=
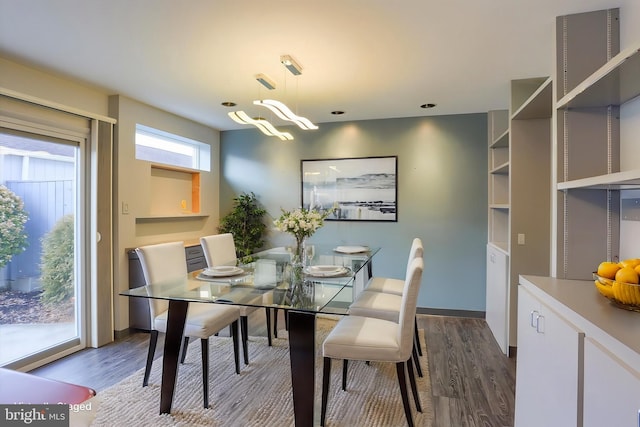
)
(496, 311)
(608, 384)
(548, 391)
(611, 388)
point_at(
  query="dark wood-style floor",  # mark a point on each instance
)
(472, 382)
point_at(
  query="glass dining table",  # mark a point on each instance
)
(268, 280)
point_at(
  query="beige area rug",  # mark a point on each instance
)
(261, 394)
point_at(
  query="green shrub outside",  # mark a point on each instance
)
(57, 262)
(13, 238)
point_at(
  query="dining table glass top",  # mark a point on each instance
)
(269, 279)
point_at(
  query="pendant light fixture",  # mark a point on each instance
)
(285, 113)
(264, 126)
(279, 108)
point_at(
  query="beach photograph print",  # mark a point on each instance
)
(358, 189)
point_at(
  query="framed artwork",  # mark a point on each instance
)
(358, 189)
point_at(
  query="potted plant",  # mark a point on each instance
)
(246, 224)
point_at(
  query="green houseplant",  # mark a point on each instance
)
(245, 222)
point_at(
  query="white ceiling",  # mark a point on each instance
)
(370, 58)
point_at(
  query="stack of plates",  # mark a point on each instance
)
(351, 249)
(326, 270)
(222, 271)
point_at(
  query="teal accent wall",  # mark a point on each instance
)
(442, 194)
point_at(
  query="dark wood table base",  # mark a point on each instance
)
(302, 327)
(302, 331)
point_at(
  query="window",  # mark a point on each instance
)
(162, 147)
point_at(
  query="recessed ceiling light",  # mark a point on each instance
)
(427, 105)
(229, 104)
(337, 112)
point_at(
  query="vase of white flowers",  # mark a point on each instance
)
(301, 223)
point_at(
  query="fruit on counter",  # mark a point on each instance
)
(605, 290)
(631, 262)
(627, 275)
(620, 281)
(608, 269)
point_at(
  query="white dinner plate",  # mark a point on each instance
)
(222, 271)
(326, 270)
(351, 249)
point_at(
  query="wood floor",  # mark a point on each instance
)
(472, 382)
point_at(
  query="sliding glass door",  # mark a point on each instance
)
(42, 299)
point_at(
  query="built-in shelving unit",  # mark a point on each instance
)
(519, 199)
(589, 180)
(498, 136)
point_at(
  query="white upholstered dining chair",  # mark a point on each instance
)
(166, 264)
(377, 340)
(391, 285)
(380, 297)
(220, 249)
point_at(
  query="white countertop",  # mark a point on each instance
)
(580, 302)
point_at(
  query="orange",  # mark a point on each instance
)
(637, 269)
(632, 262)
(608, 269)
(627, 275)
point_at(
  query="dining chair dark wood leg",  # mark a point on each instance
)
(414, 386)
(204, 345)
(402, 382)
(414, 354)
(275, 322)
(268, 311)
(326, 375)
(345, 367)
(417, 335)
(234, 336)
(153, 341)
(244, 328)
(185, 346)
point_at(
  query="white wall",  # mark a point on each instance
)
(132, 187)
(131, 177)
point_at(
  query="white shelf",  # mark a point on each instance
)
(538, 105)
(502, 141)
(613, 181)
(503, 169)
(615, 83)
(160, 218)
(499, 206)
